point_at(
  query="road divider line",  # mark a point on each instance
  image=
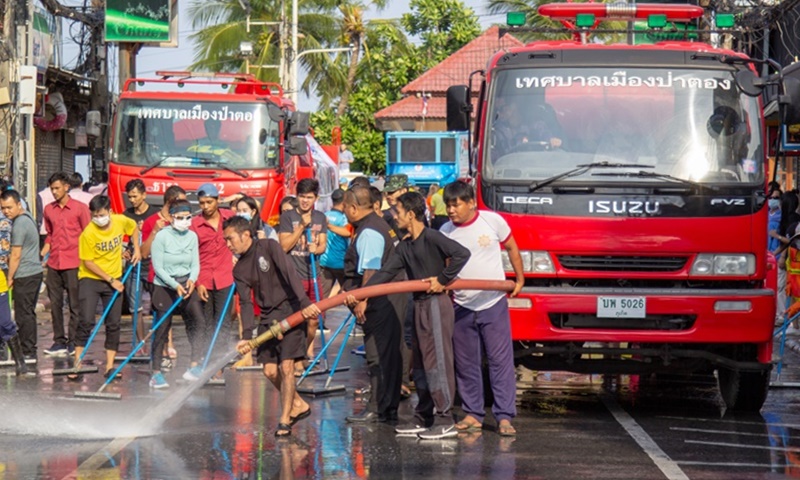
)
(721, 432)
(741, 422)
(668, 467)
(743, 445)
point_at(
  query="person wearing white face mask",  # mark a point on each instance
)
(247, 208)
(176, 263)
(99, 275)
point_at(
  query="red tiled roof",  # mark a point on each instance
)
(411, 107)
(455, 69)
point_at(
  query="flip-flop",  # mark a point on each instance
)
(506, 430)
(464, 426)
(300, 416)
(283, 427)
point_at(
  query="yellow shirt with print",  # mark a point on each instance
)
(104, 246)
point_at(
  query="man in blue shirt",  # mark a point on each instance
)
(332, 261)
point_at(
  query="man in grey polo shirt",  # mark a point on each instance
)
(24, 270)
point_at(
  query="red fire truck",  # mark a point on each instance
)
(231, 130)
(634, 180)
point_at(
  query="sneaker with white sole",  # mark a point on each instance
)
(57, 350)
(158, 381)
(192, 374)
(438, 432)
(410, 429)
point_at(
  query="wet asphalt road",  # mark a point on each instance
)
(570, 426)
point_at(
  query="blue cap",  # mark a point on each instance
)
(208, 190)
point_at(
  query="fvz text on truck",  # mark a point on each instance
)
(189, 128)
(634, 180)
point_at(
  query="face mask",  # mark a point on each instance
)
(245, 215)
(101, 221)
(774, 203)
(182, 225)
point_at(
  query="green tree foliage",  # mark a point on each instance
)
(391, 61)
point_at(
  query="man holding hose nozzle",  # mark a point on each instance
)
(264, 270)
(427, 255)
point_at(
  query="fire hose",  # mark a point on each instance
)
(279, 328)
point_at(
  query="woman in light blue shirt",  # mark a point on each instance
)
(176, 262)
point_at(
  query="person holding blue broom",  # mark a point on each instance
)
(175, 258)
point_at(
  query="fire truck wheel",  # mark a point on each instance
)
(743, 391)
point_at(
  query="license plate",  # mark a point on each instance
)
(621, 307)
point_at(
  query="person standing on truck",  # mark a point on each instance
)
(264, 272)
(345, 159)
(482, 320)
(216, 263)
(293, 232)
(427, 255)
(64, 221)
(381, 317)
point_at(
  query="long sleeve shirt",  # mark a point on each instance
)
(174, 254)
(216, 261)
(264, 272)
(424, 257)
(64, 226)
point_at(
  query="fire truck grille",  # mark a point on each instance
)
(650, 322)
(622, 264)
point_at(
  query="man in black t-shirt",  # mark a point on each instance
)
(303, 232)
(139, 211)
(263, 273)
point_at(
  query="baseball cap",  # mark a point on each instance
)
(208, 190)
(396, 182)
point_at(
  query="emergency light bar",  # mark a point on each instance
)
(620, 11)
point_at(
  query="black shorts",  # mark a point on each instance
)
(293, 346)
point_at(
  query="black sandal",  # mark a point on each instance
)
(300, 416)
(283, 427)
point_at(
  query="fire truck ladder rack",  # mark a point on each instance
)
(182, 78)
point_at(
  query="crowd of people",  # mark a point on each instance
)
(192, 265)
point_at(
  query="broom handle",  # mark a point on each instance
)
(105, 314)
(219, 325)
(141, 343)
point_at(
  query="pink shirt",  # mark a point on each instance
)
(64, 226)
(81, 196)
(216, 261)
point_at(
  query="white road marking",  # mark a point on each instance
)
(695, 419)
(735, 464)
(668, 467)
(743, 445)
(722, 432)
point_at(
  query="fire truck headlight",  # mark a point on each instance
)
(533, 261)
(708, 264)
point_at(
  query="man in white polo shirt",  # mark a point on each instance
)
(481, 317)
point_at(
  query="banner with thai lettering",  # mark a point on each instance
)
(137, 21)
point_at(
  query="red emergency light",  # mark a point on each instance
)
(620, 11)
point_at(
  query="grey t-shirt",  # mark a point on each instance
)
(25, 233)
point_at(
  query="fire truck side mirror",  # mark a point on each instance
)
(458, 108)
(275, 113)
(296, 145)
(790, 101)
(298, 124)
(749, 83)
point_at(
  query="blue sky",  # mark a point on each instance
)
(152, 59)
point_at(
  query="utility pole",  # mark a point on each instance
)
(24, 168)
(127, 62)
(100, 95)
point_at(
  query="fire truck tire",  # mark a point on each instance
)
(743, 391)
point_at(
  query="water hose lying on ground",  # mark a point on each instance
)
(408, 286)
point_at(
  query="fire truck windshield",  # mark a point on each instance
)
(186, 134)
(691, 125)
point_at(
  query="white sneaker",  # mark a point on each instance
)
(438, 432)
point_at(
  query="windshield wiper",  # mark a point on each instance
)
(581, 169)
(150, 167)
(224, 166)
(663, 176)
